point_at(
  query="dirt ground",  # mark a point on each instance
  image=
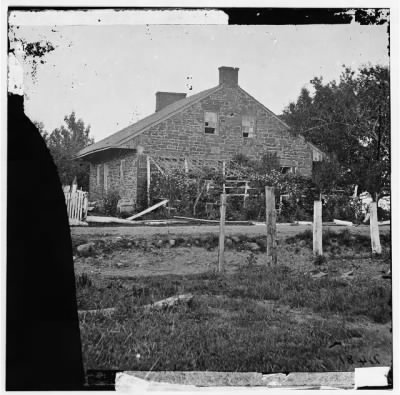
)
(192, 260)
(283, 230)
(135, 263)
(149, 260)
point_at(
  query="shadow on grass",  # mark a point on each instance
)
(325, 295)
(235, 322)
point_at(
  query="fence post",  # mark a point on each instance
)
(223, 175)
(148, 179)
(246, 190)
(317, 228)
(221, 245)
(374, 229)
(270, 218)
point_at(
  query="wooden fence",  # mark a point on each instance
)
(76, 202)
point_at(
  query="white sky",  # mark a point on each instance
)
(109, 74)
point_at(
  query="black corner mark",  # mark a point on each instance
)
(43, 346)
(287, 16)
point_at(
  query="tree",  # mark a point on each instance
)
(350, 121)
(64, 143)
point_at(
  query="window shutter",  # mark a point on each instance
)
(210, 122)
(248, 126)
(122, 169)
(105, 177)
(98, 175)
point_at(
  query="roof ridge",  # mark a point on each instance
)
(267, 109)
(159, 116)
(188, 103)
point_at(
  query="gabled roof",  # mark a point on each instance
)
(118, 139)
(265, 108)
(314, 147)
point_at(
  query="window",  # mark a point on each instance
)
(105, 177)
(248, 126)
(317, 156)
(210, 122)
(98, 175)
(288, 169)
(122, 169)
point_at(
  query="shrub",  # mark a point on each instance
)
(241, 159)
(341, 206)
(190, 191)
(110, 202)
(383, 215)
(254, 209)
(187, 191)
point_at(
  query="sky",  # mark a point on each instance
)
(109, 73)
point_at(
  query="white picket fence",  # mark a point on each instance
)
(76, 202)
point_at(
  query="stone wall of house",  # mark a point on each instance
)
(95, 191)
(126, 186)
(142, 181)
(182, 135)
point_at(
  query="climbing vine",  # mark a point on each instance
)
(196, 192)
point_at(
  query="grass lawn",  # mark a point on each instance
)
(256, 318)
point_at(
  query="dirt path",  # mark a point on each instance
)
(179, 261)
(150, 261)
(190, 259)
(283, 230)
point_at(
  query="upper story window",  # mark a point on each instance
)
(210, 122)
(248, 126)
(317, 156)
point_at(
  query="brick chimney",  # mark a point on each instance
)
(228, 76)
(164, 99)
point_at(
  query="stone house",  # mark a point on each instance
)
(214, 124)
